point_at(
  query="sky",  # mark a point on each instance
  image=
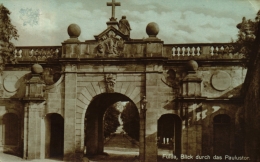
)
(45, 22)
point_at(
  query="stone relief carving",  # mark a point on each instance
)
(110, 45)
(110, 80)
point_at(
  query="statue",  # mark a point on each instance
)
(124, 26)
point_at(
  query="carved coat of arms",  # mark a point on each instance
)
(110, 45)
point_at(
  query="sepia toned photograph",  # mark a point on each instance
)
(129, 80)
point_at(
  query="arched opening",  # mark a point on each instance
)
(221, 136)
(107, 126)
(54, 136)
(10, 129)
(10, 133)
(169, 134)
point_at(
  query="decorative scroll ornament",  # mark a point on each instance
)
(110, 80)
(110, 45)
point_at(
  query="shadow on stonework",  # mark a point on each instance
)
(169, 105)
(20, 86)
(233, 93)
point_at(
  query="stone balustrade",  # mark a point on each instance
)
(37, 53)
(171, 51)
(201, 51)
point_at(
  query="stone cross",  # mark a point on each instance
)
(113, 4)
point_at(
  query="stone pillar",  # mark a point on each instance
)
(47, 136)
(33, 131)
(25, 135)
(154, 48)
(151, 117)
(198, 131)
(142, 131)
(70, 113)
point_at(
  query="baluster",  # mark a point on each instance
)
(188, 51)
(37, 53)
(193, 51)
(15, 52)
(181, 51)
(178, 49)
(199, 52)
(56, 53)
(31, 53)
(184, 49)
(211, 51)
(215, 50)
(220, 49)
(20, 53)
(196, 50)
(173, 51)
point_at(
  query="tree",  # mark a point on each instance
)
(246, 35)
(248, 127)
(7, 33)
(111, 122)
(131, 121)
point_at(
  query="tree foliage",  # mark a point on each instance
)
(111, 122)
(131, 121)
(7, 33)
(246, 35)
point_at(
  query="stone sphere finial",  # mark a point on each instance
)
(74, 30)
(37, 69)
(152, 29)
(192, 65)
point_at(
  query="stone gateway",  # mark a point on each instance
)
(187, 95)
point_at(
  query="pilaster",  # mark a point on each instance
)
(70, 112)
(151, 118)
(34, 131)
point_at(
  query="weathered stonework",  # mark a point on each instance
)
(82, 77)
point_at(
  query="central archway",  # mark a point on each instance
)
(94, 119)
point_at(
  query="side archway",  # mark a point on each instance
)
(221, 134)
(169, 133)
(54, 135)
(10, 129)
